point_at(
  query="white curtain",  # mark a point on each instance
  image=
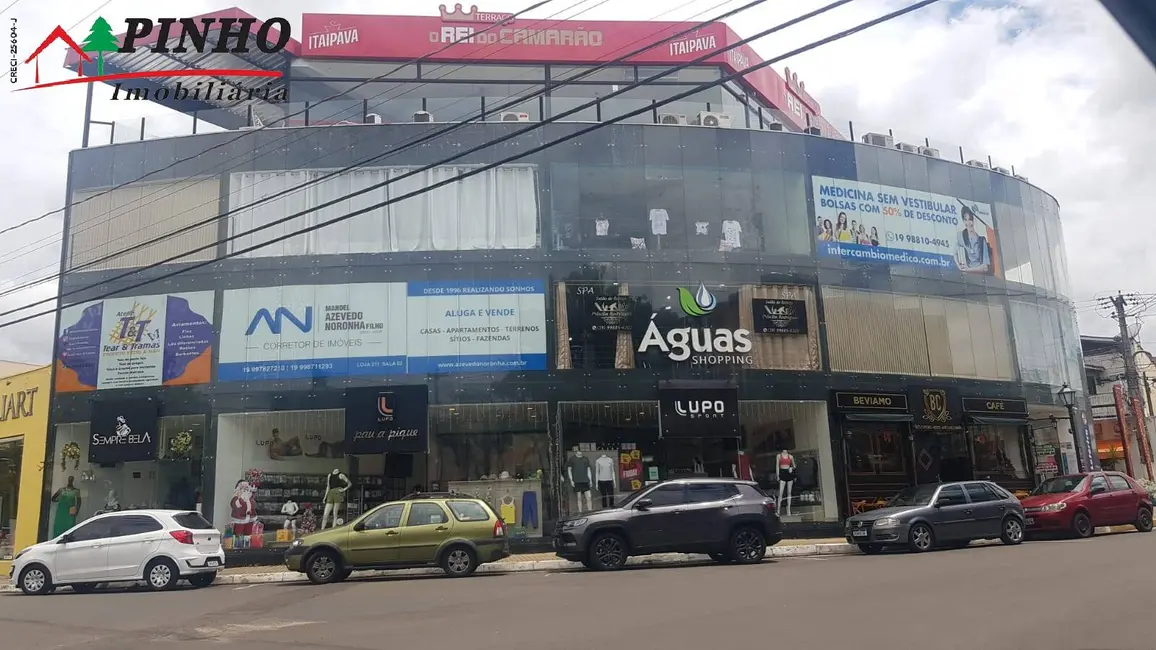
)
(496, 209)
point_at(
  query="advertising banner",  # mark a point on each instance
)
(598, 309)
(778, 316)
(387, 420)
(123, 431)
(160, 340)
(698, 412)
(866, 222)
(382, 329)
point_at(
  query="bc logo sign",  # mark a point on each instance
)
(274, 320)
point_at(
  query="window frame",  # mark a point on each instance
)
(128, 518)
(663, 487)
(484, 509)
(962, 492)
(413, 505)
(1127, 486)
(379, 512)
(106, 522)
(983, 489)
(731, 490)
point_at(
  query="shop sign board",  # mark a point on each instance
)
(698, 412)
(699, 344)
(779, 316)
(935, 409)
(597, 309)
(387, 420)
(851, 401)
(123, 431)
(135, 342)
(996, 406)
(394, 328)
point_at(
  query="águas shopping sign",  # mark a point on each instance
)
(699, 344)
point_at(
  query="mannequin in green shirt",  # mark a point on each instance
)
(67, 501)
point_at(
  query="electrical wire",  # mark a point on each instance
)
(517, 156)
(297, 136)
(382, 77)
(404, 146)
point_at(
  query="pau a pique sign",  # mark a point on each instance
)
(699, 345)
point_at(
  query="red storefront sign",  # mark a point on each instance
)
(537, 40)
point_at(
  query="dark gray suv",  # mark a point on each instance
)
(730, 520)
(946, 515)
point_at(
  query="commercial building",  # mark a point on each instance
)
(722, 285)
(1106, 378)
(24, 392)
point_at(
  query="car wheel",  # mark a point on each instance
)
(201, 580)
(1144, 520)
(748, 545)
(871, 549)
(1082, 525)
(323, 567)
(84, 587)
(1012, 531)
(608, 552)
(459, 561)
(721, 558)
(161, 574)
(35, 580)
(921, 539)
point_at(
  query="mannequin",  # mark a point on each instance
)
(111, 503)
(67, 501)
(581, 478)
(335, 486)
(604, 474)
(291, 510)
(699, 466)
(787, 472)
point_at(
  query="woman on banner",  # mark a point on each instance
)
(972, 253)
(842, 233)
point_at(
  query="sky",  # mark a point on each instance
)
(1051, 87)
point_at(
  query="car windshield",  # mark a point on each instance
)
(913, 496)
(1061, 484)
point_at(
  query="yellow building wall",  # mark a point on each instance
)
(31, 424)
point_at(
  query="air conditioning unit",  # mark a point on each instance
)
(775, 126)
(930, 152)
(423, 116)
(372, 118)
(1022, 178)
(671, 118)
(1003, 170)
(515, 117)
(710, 118)
(813, 130)
(879, 140)
(909, 148)
(977, 163)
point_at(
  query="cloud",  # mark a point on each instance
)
(1053, 87)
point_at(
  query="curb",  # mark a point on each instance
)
(800, 550)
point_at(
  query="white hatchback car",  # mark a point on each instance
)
(159, 547)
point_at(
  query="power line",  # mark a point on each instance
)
(263, 127)
(403, 146)
(473, 172)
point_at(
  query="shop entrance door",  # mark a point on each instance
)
(876, 463)
(941, 457)
(713, 457)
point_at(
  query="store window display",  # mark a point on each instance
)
(789, 454)
(606, 450)
(1000, 454)
(497, 453)
(11, 455)
(81, 489)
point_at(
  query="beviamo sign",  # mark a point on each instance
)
(700, 345)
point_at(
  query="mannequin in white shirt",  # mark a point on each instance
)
(604, 475)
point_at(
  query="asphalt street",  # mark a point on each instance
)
(1089, 594)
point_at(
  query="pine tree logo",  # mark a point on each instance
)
(100, 40)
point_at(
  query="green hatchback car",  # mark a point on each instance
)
(454, 532)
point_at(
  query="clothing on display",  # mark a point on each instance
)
(732, 233)
(335, 486)
(606, 489)
(604, 468)
(699, 467)
(508, 510)
(638, 243)
(581, 475)
(67, 501)
(701, 228)
(529, 510)
(658, 219)
(787, 470)
(601, 227)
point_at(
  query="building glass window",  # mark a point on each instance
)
(999, 453)
(11, 456)
(172, 481)
(787, 445)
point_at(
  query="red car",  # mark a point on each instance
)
(1078, 503)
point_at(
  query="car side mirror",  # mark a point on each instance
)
(1099, 489)
(643, 504)
(66, 538)
(939, 503)
(359, 526)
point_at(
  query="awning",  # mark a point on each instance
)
(990, 419)
(878, 417)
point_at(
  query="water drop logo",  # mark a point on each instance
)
(700, 304)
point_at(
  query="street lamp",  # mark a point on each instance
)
(1067, 396)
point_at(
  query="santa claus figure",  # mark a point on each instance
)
(242, 509)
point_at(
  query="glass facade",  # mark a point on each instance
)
(544, 304)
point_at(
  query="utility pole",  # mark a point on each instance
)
(1131, 378)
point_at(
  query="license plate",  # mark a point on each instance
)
(1029, 521)
(213, 563)
(858, 533)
